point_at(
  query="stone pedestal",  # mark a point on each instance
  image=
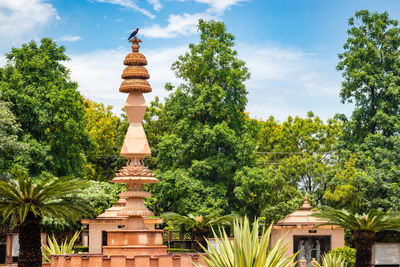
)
(135, 242)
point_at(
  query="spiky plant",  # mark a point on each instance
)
(364, 227)
(25, 202)
(331, 260)
(200, 225)
(53, 248)
(248, 248)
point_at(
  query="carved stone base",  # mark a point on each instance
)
(135, 242)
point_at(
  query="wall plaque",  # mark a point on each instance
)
(386, 254)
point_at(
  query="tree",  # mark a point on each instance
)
(181, 193)
(205, 123)
(301, 150)
(47, 107)
(100, 196)
(370, 64)
(199, 225)
(259, 192)
(11, 147)
(26, 202)
(369, 178)
(107, 132)
(364, 227)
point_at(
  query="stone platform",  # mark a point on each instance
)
(98, 260)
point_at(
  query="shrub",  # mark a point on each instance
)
(347, 253)
(81, 249)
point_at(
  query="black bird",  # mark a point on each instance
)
(133, 34)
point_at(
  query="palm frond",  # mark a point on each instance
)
(373, 221)
(49, 196)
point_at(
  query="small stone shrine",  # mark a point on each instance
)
(300, 231)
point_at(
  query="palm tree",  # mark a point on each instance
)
(25, 201)
(364, 228)
(200, 225)
(248, 248)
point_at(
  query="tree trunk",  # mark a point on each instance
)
(30, 254)
(199, 235)
(363, 242)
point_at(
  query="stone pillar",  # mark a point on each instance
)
(85, 238)
(9, 248)
(135, 239)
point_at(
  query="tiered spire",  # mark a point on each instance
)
(135, 147)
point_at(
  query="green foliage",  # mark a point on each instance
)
(202, 133)
(48, 108)
(172, 250)
(348, 254)
(331, 260)
(179, 192)
(81, 249)
(374, 221)
(259, 192)
(370, 65)
(154, 124)
(347, 186)
(301, 151)
(107, 131)
(53, 248)
(369, 179)
(11, 148)
(192, 221)
(45, 197)
(100, 196)
(248, 248)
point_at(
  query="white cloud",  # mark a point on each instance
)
(3, 60)
(128, 4)
(156, 4)
(69, 38)
(177, 25)
(288, 82)
(186, 24)
(219, 6)
(98, 73)
(21, 19)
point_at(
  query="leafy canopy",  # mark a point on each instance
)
(202, 126)
(370, 64)
(47, 106)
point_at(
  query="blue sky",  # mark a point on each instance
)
(290, 46)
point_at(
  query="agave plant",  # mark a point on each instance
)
(248, 248)
(53, 248)
(331, 260)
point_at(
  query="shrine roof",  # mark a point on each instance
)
(302, 216)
